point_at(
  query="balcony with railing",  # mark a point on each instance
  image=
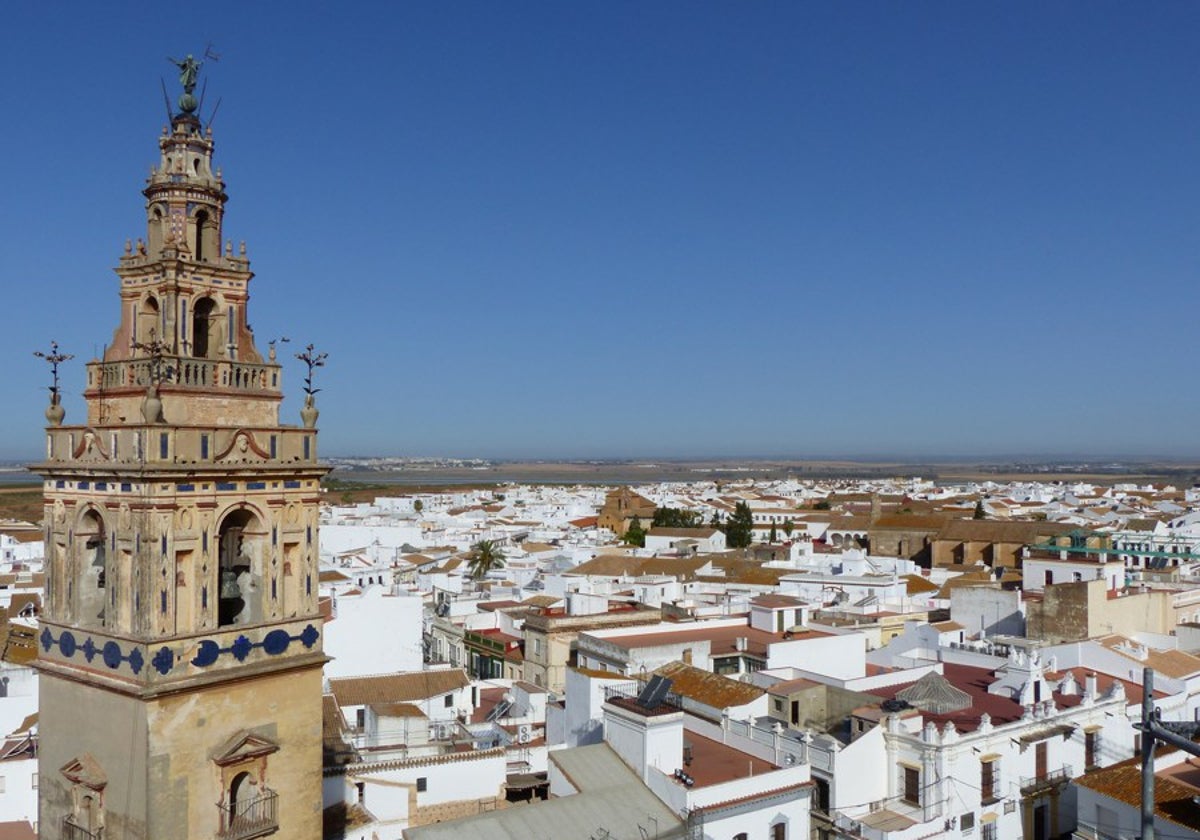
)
(1031, 785)
(184, 371)
(247, 818)
(73, 831)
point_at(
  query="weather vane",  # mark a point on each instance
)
(156, 349)
(54, 359)
(283, 339)
(55, 411)
(313, 360)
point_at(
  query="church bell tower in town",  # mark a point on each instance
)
(180, 644)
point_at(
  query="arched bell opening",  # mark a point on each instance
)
(148, 317)
(242, 543)
(92, 579)
(204, 323)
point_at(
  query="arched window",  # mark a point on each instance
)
(156, 230)
(203, 325)
(240, 789)
(89, 814)
(92, 569)
(203, 231)
(146, 329)
(241, 542)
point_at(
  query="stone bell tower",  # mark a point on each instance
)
(180, 649)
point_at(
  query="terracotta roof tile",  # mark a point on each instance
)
(395, 688)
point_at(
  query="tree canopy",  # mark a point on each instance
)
(485, 556)
(666, 517)
(739, 529)
(635, 534)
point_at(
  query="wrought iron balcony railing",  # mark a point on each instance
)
(72, 831)
(1032, 784)
(247, 818)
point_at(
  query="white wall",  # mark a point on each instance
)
(18, 796)
(374, 633)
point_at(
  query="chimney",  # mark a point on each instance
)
(1089, 684)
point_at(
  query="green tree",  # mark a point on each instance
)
(485, 556)
(821, 504)
(773, 537)
(739, 530)
(788, 527)
(980, 513)
(715, 522)
(666, 517)
(635, 534)
(418, 506)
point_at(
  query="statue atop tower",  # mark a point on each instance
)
(189, 70)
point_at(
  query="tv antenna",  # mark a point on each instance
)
(210, 54)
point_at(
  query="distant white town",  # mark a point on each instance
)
(883, 660)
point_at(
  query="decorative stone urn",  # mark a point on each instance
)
(309, 413)
(152, 405)
(55, 412)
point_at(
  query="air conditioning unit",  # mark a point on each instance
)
(524, 734)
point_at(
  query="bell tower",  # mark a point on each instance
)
(180, 650)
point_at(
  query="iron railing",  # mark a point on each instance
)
(1032, 784)
(246, 818)
(72, 831)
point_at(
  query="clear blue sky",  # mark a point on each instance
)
(648, 229)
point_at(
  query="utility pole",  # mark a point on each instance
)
(1148, 743)
(1154, 729)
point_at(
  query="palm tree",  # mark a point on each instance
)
(485, 556)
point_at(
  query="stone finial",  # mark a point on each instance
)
(141, 246)
(985, 722)
(229, 247)
(128, 247)
(242, 248)
(54, 358)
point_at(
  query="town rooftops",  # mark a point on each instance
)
(17, 830)
(917, 585)
(681, 533)
(708, 688)
(396, 688)
(1175, 789)
(1000, 708)
(1170, 663)
(713, 763)
(908, 522)
(723, 637)
(775, 602)
(610, 795)
(1000, 530)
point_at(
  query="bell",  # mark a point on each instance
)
(229, 585)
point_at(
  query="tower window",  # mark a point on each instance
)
(145, 330)
(203, 232)
(202, 327)
(240, 545)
